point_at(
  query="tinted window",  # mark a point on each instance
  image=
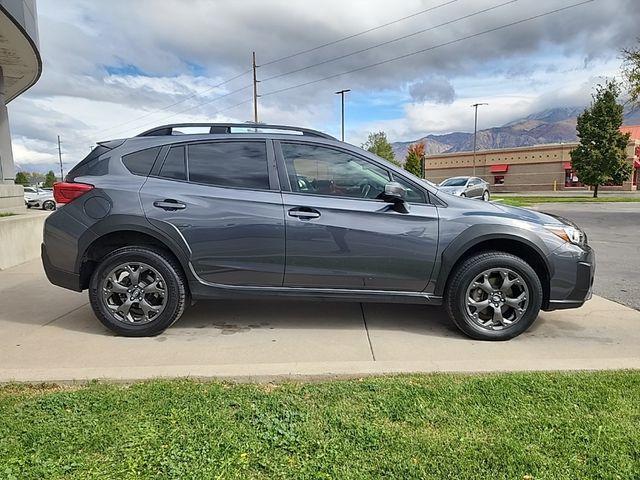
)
(91, 165)
(141, 162)
(414, 195)
(326, 171)
(454, 182)
(229, 164)
(174, 165)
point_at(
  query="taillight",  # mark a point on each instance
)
(64, 192)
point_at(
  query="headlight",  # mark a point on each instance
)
(568, 233)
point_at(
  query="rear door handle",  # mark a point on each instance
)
(169, 204)
(304, 213)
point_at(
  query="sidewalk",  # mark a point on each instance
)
(50, 334)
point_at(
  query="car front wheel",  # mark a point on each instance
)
(486, 196)
(493, 296)
(138, 291)
(49, 205)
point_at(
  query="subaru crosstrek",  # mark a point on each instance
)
(152, 223)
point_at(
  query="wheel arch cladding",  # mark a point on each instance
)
(481, 238)
(131, 235)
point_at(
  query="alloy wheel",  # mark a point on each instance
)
(497, 298)
(134, 293)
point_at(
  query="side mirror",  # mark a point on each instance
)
(396, 194)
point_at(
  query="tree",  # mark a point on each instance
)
(21, 179)
(414, 161)
(378, 144)
(49, 179)
(600, 157)
(631, 73)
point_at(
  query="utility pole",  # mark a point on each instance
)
(475, 134)
(255, 90)
(341, 93)
(60, 158)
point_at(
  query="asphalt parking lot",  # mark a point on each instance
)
(612, 229)
(51, 334)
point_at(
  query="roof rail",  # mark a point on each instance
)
(225, 128)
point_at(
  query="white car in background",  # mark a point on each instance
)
(36, 197)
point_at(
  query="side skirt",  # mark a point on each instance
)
(203, 290)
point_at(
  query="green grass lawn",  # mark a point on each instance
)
(512, 426)
(6, 214)
(527, 201)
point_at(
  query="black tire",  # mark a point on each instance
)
(28, 206)
(174, 284)
(49, 205)
(486, 196)
(463, 195)
(455, 299)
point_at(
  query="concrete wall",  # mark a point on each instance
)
(12, 199)
(20, 238)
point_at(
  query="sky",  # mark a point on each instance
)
(114, 69)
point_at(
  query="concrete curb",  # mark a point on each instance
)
(314, 371)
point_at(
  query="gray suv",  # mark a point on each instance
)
(150, 224)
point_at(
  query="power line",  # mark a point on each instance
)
(197, 106)
(196, 94)
(302, 52)
(311, 82)
(390, 41)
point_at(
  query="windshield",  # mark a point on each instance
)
(454, 182)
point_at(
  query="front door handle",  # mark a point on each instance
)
(304, 213)
(169, 204)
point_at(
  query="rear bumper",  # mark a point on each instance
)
(57, 276)
(572, 285)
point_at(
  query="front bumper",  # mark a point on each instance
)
(572, 282)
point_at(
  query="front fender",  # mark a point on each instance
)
(476, 234)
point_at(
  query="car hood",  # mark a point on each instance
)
(532, 216)
(478, 207)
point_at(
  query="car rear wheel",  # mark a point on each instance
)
(493, 296)
(49, 205)
(138, 291)
(486, 196)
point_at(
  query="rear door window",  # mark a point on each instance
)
(229, 164)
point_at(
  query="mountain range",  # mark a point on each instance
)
(555, 125)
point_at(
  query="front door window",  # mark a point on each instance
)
(319, 170)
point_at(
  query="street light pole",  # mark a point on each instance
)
(341, 93)
(475, 134)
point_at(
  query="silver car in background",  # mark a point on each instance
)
(470, 187)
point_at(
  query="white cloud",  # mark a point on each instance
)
(184, 48)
